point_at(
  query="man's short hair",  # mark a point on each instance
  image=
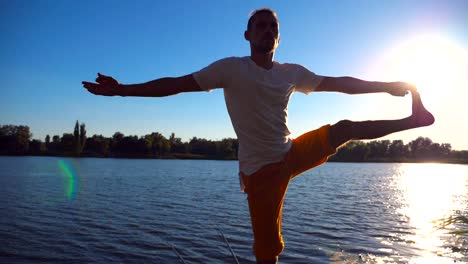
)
(257, 11)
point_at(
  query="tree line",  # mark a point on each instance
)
(422, 149)
(17, 140)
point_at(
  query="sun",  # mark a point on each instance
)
(431, 62)
(438, 65)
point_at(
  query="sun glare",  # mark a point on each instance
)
(431, 192)
(434, 64)
(438, 66)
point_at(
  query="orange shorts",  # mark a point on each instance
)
(267, 187)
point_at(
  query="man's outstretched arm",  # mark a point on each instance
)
(108, 86)
(352, 85)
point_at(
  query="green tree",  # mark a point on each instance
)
(79, 137)
(82, 136)
(14, 140)
(202, 146)
(446, 149)
(226, 148)
(116, 142)
(97, 145)
(67, 144)
(420, 147)
(37, 147)
(460, 156)
(22, 139)
(76, 138)
(397, 150)
(378, 148)
(7, 140)
(54, 147)
(158, 144)
(354, 151)
(177, 146)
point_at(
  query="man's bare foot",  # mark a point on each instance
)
(420, 116)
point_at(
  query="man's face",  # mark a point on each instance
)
(263, 33)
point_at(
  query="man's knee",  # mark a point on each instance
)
(341, 132)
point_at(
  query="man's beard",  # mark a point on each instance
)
(265, 48)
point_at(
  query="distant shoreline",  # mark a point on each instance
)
(201, 157)
(16, 141)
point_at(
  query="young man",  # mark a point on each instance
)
(257, 91)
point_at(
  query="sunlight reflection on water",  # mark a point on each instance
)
(427, 193)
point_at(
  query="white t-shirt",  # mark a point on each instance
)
(257, 102)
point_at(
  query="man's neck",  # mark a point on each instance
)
(263, 60)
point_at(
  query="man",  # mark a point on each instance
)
(257, 91)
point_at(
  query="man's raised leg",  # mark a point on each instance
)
(346, 130)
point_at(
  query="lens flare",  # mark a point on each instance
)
(70, 179)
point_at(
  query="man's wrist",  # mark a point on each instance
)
(121, 90)
(387, 86)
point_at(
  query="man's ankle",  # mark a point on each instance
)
(273, 261)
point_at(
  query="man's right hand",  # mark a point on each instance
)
(400, 88)
(105, 85)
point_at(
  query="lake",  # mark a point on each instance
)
(64, 210)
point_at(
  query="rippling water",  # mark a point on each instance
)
(57, 210)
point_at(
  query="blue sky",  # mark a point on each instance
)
(48, 47)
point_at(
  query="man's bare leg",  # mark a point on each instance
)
(346, 130)
(273, 261)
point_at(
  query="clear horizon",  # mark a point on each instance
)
(49, 47)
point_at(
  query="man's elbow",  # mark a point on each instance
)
(328, 84)
(187, 83)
